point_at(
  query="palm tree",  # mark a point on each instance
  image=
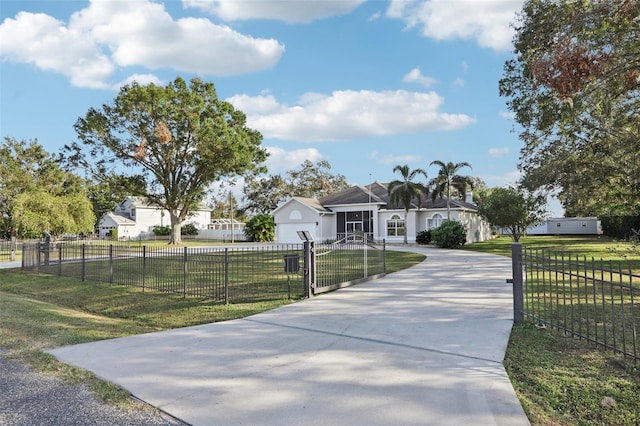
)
(448, 179)
(402, 192)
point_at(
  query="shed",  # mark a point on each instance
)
(574, 226)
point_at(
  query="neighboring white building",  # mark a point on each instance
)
(564, 226)
(573, 226)
(134, 218)
(366, 209)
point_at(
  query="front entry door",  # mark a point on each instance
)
(354, 227)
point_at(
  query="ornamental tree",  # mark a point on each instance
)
(449, 182)
(179, 137)
(513, 209)
(403, 192)
(37, 195)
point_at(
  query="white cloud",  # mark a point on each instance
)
(486, 21)
(415, 76)
(375, 16)
(41, 40)
(509, 178)
(279, 159)
(286, 11)
(395, 159)
(459, 82)
(498, 152)
(507, 115)
(142, 79)
(348, 114)
(138, 33)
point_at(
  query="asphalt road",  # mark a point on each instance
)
(28, 398)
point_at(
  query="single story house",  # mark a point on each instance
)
(135, 218)
(367, 209)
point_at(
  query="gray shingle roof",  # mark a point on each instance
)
(354, 195)
(380, 196)
(313, 203)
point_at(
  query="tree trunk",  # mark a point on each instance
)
(176, 236)
(406, 214)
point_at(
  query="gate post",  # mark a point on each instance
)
(518, 283)
(309, 268)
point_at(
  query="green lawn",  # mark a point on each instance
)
(561, 380)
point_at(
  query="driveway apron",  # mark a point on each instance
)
(423, 346)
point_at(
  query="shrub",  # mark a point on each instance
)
(260, 228)
(189, 229)
(424, 237)
(161, 230)
(451, 234)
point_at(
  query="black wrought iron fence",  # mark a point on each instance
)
(227, 274)
(223, 274)
(591, 299)
(9, 250)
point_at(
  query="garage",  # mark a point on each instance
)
(287, 233)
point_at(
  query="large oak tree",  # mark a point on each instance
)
(180, 137)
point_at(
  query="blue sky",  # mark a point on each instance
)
(365, 85)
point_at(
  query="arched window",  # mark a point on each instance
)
(435, 221)
(395, 226)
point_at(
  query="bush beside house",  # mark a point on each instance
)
(451, 234)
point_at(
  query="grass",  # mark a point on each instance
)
(562, 380)
(39, 312)
(589, 246)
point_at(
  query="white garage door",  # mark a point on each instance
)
(287, 233)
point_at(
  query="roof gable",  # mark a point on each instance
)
(307, 202)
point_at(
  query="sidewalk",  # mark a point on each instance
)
(423, 346)
(11, 264)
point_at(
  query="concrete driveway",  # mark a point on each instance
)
(423, 346)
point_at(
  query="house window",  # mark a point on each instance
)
(435, 221)
(395, 226)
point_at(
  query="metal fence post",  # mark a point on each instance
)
(226, 275)
(144, 265)
(59, 259)
(83, 264)
(518, 283)
(110, 263)
(184, 274)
